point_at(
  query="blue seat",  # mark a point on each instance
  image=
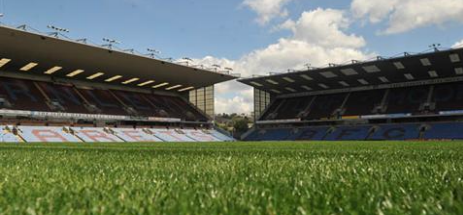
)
(349, 133)
(397, 132)
(451, 131)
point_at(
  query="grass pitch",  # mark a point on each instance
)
(233, 178)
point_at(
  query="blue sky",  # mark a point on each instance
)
(253, 36)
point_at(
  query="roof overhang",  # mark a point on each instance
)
(45, 55)
(408, 68)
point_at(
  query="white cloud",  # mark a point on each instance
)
(406, 15)
(267, 9)
(458, 44)
(324, 27)
(328, 44)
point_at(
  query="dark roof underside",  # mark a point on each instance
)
(442, 64)
(25, 47)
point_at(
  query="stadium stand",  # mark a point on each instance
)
(412, 97)
(48, 93)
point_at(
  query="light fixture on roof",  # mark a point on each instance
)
(113, 78)
(409, 76)
(349, 72)
(146, 83)
(399, 65)
(153, 53)
(455, 58)
(186, 89)
(110, 43)
(343, 83)
(324, 86)
(306, 87)
(371, 69)
(363, 81)
(288, 79)
(130, 81)
(4, 61)
(383, 79)
(306, 77)
(276, 91)
(96, 75)
(216, 67)
(272, 81)
(425, 62)
(160, 85)
(174, 87)
(256, 84)
(57, 30)
(328, 74)
(75, 73)
(53, 70)
(435, 46)
(433, 74)
(28, 66)
(459, 71)
(308, 65)
(131, 51)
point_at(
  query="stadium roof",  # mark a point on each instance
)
(408, 68)
(34, 53)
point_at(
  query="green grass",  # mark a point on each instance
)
(233, 178)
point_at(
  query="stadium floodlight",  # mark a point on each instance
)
(186, 61)
(110, 43)
(435, 46)
(131, 51)
(57, 30)
(83, 40)
(153, 53)
(22, 27)
(216, 67)
(308, 65)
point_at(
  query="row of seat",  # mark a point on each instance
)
(429, 99)
(16, 94)
(413, 131)
(40, 134)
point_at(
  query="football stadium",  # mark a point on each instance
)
(95, 129)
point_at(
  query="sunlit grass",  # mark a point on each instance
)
(233, 178)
